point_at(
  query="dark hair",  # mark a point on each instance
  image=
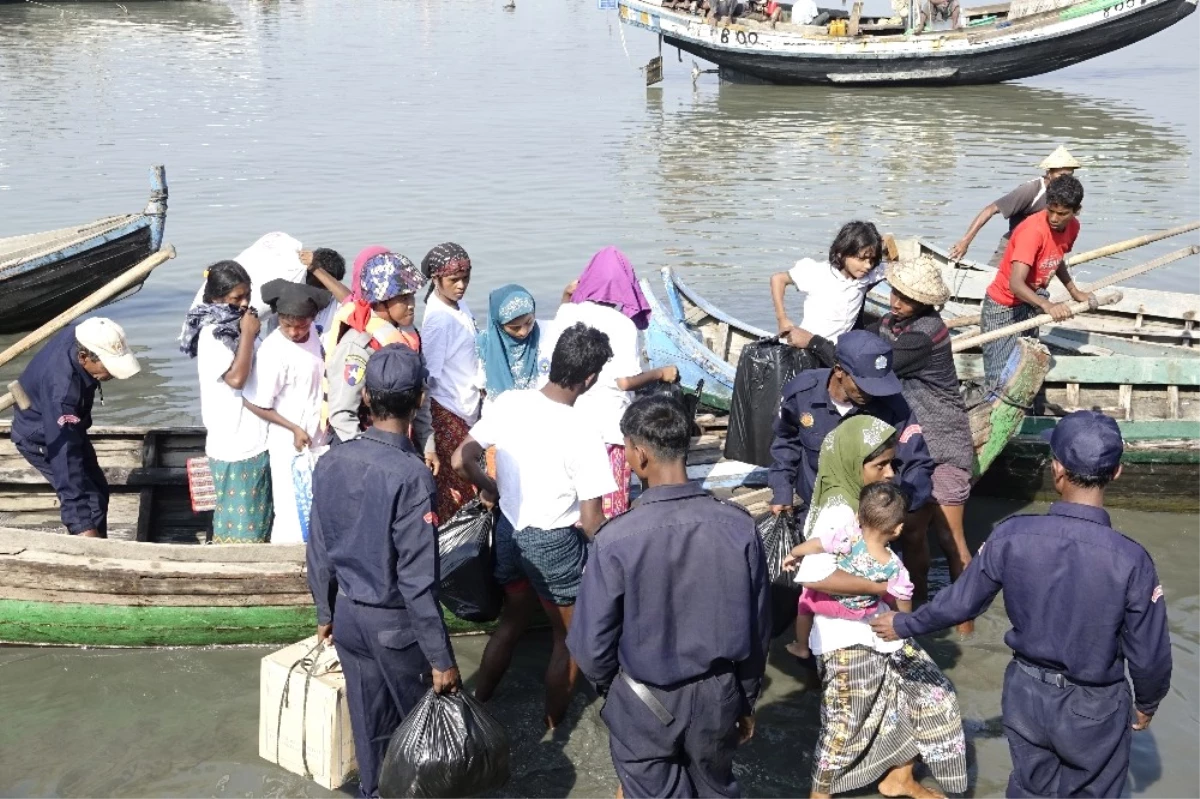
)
(660, 423)
(882, 448)
(853, 238)
(882, 506)
(1066, 191)
(436, 260)
(291, 317)
(329, 260)
(581, 352)
(86, 353)
(393, 404)
(1091, 480)
(224, 277)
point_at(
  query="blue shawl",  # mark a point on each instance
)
(508, 362)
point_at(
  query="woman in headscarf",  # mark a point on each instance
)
(449, 331)
(220, 333)
(882, 704)
(510, 347)
(608, 298)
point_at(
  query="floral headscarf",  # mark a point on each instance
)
(840, 468)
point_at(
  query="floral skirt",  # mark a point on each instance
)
(879, 711)
(449, 430)
(617, 502)
(245, 509)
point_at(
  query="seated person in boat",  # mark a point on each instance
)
(935, 10)
(1018, 205)
(834, 290)
(1035, 254)
(929, 382)
(326, 268)
(52, 432)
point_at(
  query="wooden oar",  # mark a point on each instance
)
(98, 297)
(1129, 244)
(967, 342)
(1111, 280)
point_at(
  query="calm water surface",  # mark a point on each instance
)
(529, 138)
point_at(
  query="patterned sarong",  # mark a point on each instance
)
(449, 430)
(245, 510)
(617, 502)
(879, 711)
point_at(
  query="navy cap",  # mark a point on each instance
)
(1086, 443)
(396, 368)
(868, 360)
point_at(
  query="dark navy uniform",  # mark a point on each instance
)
(52, 433)
(674, 603)
(1084, 601)
(373, 572)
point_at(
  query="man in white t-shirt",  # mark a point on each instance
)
(551, 473)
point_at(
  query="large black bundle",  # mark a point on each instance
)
(468, 588)
(763, 369)
(689, 401)
(779, 534)
(449, 745)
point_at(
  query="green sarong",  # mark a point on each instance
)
(244, 511)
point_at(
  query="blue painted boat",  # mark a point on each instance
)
(43, 274)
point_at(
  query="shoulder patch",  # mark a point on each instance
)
(355, 370)
(431, 518)
(1157, 594)
(67, 418)
(909, 432)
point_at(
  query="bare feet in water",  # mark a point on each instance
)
(966, 628)
(900, 782)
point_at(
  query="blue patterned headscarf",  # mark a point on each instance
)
(386, 275)
(508, 362)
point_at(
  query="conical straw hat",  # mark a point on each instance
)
(1060, 159)
(919, 279)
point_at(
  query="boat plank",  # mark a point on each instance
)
(11, 538)
(66, 577)
(39, 594)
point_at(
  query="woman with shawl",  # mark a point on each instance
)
(220, 333)
(882, 704)
(607, 297)
(511, 348)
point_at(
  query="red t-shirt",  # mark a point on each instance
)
(1040, 247)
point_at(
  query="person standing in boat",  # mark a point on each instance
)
(61, 382)
(834, 291)
(1036, 253)
(221, 333)
(1018, 205)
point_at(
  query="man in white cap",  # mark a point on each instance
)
(1019, 204)
(61, 383)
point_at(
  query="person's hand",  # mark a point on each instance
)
(791, 562)
(488, 498)
(569, 290)
(300, 440)
(446, 682)
(785, 326)
(1092, 301)
(745, 729)
(306, 258)
(799, 338)
(1059, 311)
(778, 509)
(1142, 720)
(959, 250)
(669, 374)
(884, 627)
(250, 324)
(325, 634)
(433, 462)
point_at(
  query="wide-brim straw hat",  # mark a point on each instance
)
(919, 279)
(1060, 159)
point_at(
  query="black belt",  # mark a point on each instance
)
(1054, 678)
(649, 700)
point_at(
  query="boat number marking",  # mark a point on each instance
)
(1122, 6)
(747, 38)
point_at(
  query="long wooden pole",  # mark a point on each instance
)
(1129, 244)
(967, 342)
(98, 297)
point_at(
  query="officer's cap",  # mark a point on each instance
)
(396, 368)
(1086, 443)
(868, 359)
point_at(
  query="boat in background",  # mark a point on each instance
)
(43, 274)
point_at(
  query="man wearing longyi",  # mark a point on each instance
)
(52, 433)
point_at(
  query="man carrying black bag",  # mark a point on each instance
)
(372, 562)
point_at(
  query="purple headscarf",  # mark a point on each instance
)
(609, 279)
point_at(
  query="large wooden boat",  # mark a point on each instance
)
(42, 274)
(1000, 42)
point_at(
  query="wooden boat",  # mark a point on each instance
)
(1000, 42)
(42, 274)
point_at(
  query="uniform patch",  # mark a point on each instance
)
(881, 362)
(909, 432)
(431, 518)
(67, 419)
(1157, 594)
(355, 369)
(806, 420)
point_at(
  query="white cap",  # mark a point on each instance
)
(106, 339)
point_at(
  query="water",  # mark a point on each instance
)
(529, 138)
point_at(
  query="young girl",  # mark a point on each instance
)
(221, 333)
(286, 393)
(449, 348)
(608, 298)
(511, 348)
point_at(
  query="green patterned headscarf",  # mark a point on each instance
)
(839, 471)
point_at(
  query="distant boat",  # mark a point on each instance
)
(43, 274)
(1000, 42)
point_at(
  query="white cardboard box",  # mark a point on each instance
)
(318, 727)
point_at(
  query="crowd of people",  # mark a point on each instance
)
(664, 606)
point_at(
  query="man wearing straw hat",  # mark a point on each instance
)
(1018, 205)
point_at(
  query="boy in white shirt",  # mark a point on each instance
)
(551, 473)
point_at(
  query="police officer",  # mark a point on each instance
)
(672, 621)
(1084, 601)
(61, 382)
(818, 400)
(372, 563)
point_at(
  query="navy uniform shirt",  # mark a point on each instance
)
(1083, 600)
(807, 415)
(673, 590)
(61, 393)
(373, 535)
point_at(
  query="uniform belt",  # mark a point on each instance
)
(649, 700)
(1054, 678)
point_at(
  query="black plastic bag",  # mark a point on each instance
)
(779, 535)
(449, 745)
(762, 371)
(688, 400)
(468, 588)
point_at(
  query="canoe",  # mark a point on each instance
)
(1000, 42)
(43, 274)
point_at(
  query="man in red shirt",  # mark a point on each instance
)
(1036, 252)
